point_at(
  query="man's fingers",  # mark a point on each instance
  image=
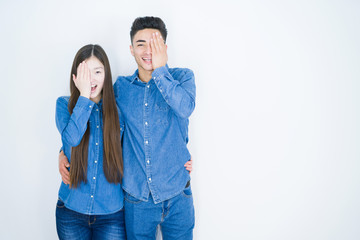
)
(159, 41)
(64, 171)
(155, 42)
(63, 165)
(64, 162)
(153, 47)
(188, 163)
(162, 42)
(188, 166)
(66, 181)
(65, 175)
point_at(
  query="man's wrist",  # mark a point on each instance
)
(156, 67)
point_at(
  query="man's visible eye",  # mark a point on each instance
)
(140, 45)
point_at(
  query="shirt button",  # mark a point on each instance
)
(96, 144)
(92, 196)
(149, 179)
(93, 177)
(148, 162)
(160, 90)
(154, 78)
(97, 126)
(146, 142)
(97, 110)
(148, 86)
(146, 104)
(89, 106)
(146, 123)
(95, 161)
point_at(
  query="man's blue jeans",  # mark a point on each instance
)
(72, 225)
(176, 217)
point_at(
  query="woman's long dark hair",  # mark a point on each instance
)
(112, 157)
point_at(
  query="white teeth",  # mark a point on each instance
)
(93, 85)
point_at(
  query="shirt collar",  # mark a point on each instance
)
(135, 76)
(99, 104)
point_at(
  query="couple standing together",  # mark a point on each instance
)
(126, 144)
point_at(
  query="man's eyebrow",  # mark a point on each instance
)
(140, 41)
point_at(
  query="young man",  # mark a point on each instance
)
(155, 102)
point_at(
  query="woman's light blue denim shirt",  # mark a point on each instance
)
(97, 196)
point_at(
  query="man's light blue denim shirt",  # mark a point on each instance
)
(156, 131)
(97, 196)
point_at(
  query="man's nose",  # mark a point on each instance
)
(148, 49)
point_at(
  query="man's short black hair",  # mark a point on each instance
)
(141, 23)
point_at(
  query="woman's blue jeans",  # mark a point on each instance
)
(72, 225)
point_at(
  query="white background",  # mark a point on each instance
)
(275, 134)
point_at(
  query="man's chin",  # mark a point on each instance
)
(148, 68)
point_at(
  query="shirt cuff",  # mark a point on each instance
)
(84, 103)
(161, 71)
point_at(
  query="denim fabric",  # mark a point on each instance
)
(156, 131)
(72, 225)
(176, 217)
(97, 196)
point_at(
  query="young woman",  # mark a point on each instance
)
(91, 206)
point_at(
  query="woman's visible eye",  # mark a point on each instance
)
(98, 72)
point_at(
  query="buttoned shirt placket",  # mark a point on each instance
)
(94, 120)
(147, 141)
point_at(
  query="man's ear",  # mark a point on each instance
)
(131, 50)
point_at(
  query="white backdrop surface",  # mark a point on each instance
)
(275, 134)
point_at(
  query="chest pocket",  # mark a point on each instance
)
(162, 106)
